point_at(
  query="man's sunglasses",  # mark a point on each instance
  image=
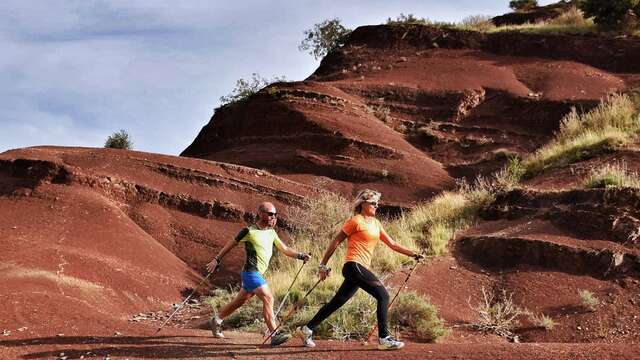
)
(271, 213)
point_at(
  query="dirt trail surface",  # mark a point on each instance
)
(198, 345)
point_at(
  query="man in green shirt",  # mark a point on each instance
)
(259, 240)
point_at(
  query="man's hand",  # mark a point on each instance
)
(323, 271)
(304, 257)
(418, 256)
(213, 265)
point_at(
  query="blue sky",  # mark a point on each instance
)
(73, 72)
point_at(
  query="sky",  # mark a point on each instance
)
(73, 72)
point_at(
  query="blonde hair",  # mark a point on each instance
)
(363, 196)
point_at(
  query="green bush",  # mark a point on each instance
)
(245, 88)
(324, 38)
(523, 5)
(119, 140)
(415, 313)
(609, 13)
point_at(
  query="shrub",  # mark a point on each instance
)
(588, 300)
(324, 38)
(497, 315)
(413, 312)
(572, 17)
(478, 23)
(410, 19)
(523, 5)
(403, 19)
(119, 140)
(610, 13)
(245, 88)
(612, 175)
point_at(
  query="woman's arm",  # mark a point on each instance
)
(323, 269)
(396, 246)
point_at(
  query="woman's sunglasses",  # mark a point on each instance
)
(372, 203)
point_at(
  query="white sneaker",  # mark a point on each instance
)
(305, 333)
(215, 324)
(389, 343)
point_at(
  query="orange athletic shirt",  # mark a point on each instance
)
(362, 238)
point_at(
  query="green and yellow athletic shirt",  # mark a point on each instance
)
(259, 247)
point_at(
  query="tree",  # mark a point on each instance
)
(324, 38)
(523, 5)
(245, 88)
(610, 13)
(119, 140)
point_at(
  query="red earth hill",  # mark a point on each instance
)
(407, 108)
(96, 235)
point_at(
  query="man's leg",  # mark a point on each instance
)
(264, 294)
(238, 301)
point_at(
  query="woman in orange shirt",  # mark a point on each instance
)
(362, 232)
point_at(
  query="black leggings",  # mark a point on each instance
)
(356, 276)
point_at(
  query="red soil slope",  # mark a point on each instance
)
(91, 236)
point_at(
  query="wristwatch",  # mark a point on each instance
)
(323, 267)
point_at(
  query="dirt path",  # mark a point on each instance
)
(197, 344)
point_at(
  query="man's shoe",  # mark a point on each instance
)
(389, 343)
(215, 326)
(305, 334)
(280, 337)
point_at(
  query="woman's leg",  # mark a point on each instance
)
(345, 292)
(370, 283)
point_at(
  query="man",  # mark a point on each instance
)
(259, 240)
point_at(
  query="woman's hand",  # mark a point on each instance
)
(323, 271)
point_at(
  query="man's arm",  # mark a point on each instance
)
(283, 248)
(216, 260)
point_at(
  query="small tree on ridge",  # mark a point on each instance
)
(523, 5)
(119, 140)
(324, 38)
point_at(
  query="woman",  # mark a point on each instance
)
(362, 232)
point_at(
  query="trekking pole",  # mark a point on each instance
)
(284, 300)
(187, 299)
(375, 326)
(295, 307)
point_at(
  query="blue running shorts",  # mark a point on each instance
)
(252, 280)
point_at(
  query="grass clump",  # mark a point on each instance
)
(542, 321)
(588, 300)
(481, 23)
(612, 175)
(611, 125)
(433, 224)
